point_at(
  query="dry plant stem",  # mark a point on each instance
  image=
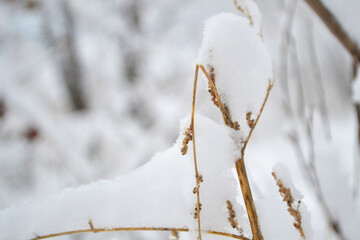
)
(223, 109)
(245, 12)
(96, 230)
(271, 84)
(232, 217)
(334, 26)
(243, 179)
(248, 199)
(174, 235)
(212, 85)
(286, 194)
(240, 164)
(194, 150)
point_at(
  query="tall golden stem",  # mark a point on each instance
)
(197, 176)
(240, 163)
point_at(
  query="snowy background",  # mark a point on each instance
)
(92, 89)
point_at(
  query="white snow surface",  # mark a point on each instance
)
(159, 194)
(242, 64)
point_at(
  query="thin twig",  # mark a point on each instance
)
(270, 86)
(197, 175)
(334, 26)
(287, 196)
(243, 179)
(96, 230)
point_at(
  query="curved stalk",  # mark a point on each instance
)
(97, 230)
(197, 175)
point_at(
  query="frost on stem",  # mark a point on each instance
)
(293, 202)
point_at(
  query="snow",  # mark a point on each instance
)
(242, 64)
(159, 194)
(109, 139)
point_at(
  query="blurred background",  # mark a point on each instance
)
(92, 89)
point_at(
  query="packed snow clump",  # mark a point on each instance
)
(158, 194)
(240, 61)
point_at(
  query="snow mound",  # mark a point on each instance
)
(242, 65)
(158, 194)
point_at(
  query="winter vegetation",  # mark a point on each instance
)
(91, 94)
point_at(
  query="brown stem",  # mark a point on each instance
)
(224, 110)
(240, 164)
(248, 199)
(334, 26)
(243, 179)
(271, 84)
(96, 230)
(197, 176)
(212, 85)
